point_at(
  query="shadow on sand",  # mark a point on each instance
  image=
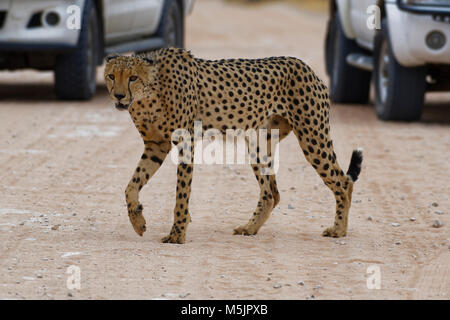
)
(37, 92)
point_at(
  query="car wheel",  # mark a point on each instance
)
(171, 27)
(347, 83)
(75, 72)
(399, 91)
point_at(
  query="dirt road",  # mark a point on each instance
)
(64, 167)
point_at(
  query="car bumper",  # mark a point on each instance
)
(25, 26)
(424, 9)
(409, 32)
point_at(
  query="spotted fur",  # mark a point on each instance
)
(170, 89)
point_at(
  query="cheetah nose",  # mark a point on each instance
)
(119, 96)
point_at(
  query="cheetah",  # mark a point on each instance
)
(170, 89)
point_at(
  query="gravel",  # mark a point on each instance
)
(437, 223)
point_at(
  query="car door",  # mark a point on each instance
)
(119, 18)
(147, 16)
(359, 17)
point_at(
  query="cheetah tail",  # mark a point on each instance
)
(355, 164)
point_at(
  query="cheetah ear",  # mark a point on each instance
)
(111, 57)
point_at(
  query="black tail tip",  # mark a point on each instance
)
(355, 164)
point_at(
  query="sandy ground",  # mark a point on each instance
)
(64, 167)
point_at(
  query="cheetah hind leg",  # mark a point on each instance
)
(321, 156)
(264, 208)
(269, 195)
(344, 197)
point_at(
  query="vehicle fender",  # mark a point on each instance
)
(343, 8)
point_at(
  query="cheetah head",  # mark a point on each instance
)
(129, 79)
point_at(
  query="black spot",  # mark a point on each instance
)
(156, 159)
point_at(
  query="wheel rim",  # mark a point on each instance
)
(171, 28)
(383, 72)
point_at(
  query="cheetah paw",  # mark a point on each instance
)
(334, 232)
(176, 235)
(138, 220)
(243, 230)
(173, 238)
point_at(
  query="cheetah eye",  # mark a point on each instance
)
(133, 78)
(111, 76)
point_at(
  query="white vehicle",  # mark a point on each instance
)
(406, 54)
(72, 37)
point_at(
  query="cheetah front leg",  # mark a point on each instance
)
(151, 160)
(181, 212)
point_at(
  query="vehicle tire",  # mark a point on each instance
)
(399, 91)
(171, 26)
(75, 72)
(347, 84)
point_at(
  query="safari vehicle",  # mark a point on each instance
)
(405, 55)
(72, 37)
